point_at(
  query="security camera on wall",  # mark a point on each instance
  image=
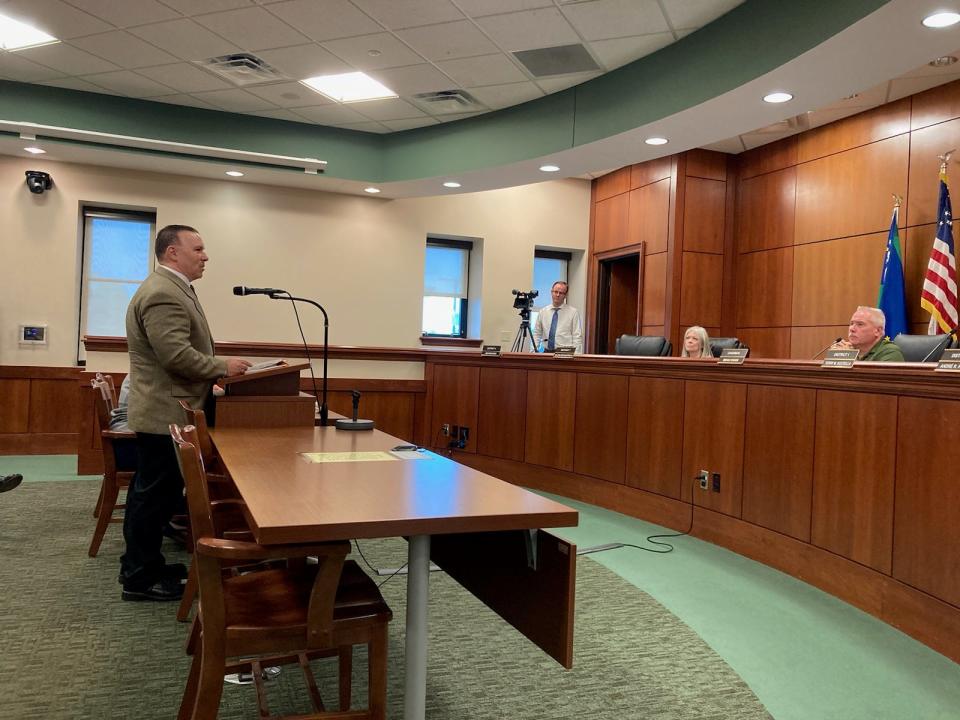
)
(38, 181)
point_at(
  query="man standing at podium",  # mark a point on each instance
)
(558, 325)
(171, 359)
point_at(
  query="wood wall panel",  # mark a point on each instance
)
(850, 193)
(391, 411)
(455, 401)
(765, 211)
(925, 147)
(707, 164)
(778, 459)
(860, 129)
(501, 423)
(768, 158)
(700, 291)
(703, 215)
(649, 216)
(713, 426)
(650, 171)
(654, 289)
(853, 476)
(652, 330)
(765, 288)
(806, 342)
(826, 290)
(551, 414)
(600, 439)
(926, 545)
(15, 412)
(916, 243)
(935, 106)
(766, 342)
(610, 231)
(54, 406)
(613, 183)
(624, 298)
(655, 435)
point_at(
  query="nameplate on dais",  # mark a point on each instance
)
(840, 358)
(490, 351)
(733, 356)
(950, 360)
(564, 352)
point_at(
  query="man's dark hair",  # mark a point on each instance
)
(169, 236)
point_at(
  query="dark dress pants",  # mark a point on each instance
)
(154, 495)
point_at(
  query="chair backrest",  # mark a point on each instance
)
(718, 345)
(646, 345)
(194, 480)
(916, 347)
(198, 419)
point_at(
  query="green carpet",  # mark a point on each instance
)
(73, 649)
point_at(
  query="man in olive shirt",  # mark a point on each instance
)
(866, 333)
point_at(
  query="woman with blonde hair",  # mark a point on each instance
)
(696, 343)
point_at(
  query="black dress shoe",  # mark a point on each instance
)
(9, 482)
(163, 590)
(177, 571)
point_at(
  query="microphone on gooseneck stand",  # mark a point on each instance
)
(826, 348)
(276, 294)
(938, 349)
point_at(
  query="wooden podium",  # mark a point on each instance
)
(268, 398)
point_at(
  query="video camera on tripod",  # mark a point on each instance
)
(523, 301)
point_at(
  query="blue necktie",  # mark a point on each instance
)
(552, 337)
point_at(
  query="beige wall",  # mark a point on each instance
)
(361, 257)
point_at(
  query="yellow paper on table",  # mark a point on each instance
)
(334, 457)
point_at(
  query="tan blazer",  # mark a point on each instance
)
(171, 353)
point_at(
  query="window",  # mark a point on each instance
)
(445, 284)
(117, 257)
(548, 267)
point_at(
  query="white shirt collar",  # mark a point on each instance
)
(177, 273)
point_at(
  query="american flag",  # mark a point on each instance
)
(939, 296)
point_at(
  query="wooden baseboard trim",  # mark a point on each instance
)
(38, 444)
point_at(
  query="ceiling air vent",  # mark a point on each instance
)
(560, 60)
(242, 69)
(447, 101)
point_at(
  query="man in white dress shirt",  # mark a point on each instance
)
(558, 325)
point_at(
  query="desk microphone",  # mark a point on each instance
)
(818, 354)
(942, 344)
(244, 290)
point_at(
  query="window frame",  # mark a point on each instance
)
(467, 245)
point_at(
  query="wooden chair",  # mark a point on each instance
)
(113, 478)
(276, 616)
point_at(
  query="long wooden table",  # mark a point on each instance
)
(291, 500)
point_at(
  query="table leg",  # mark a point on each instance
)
(418, 563)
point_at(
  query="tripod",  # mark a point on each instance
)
(523, 333)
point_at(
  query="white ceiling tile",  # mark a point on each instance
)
(451, 117)
(67, 59)
(414, 79)
(357, 51)
(127, 82)
(185, 100)
(389, 109)
(330, 114)
(193, 7)
(125, 14)
(328, 20)
(864, 99)
(15, 67)
(304, 61)
(620, 51)
(485, 70)
(693, 14)
(410, 123)
(501, 96)
(235, 100)
(72, 83)
(396, 14)
(927, 69)
(288, 95)
(252, 28)
(449, 40)
(186, 39)
(756, 139)
(529, 29)
(733, 146)
(822, 117)
(55, 17)
(900, 88)
(604, 19)
(478, 8)
(562, 82)
(367, 126)
(185, 78)
(277, 115)
(124, 49)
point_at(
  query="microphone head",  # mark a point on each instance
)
(239, 290)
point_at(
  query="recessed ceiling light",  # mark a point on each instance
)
(941, 19)
(451, 184)
(234, 173)
(656, 141)
(35, 150)
(778, 97)
(549, 168)
(372, 190)
(942, 61)
(349, 87)
(15, 35)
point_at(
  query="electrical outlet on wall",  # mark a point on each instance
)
(716, 482)
(445, 429)
(703, 476)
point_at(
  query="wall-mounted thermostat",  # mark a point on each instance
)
(33, 334)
